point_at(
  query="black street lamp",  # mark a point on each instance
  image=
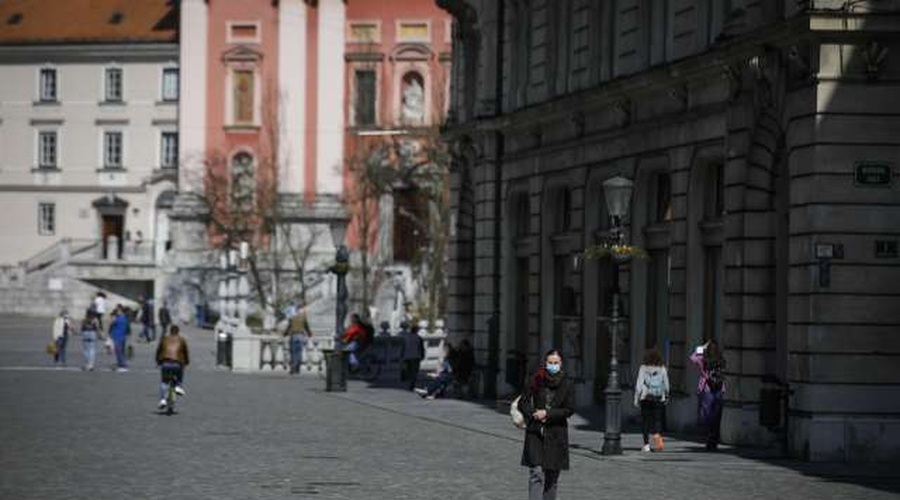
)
(336, 369)
(617, 192)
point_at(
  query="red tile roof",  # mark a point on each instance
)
(87, 21)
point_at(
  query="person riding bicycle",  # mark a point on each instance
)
(171, 357)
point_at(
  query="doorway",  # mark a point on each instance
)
(112, 225)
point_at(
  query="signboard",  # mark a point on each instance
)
(872, 174)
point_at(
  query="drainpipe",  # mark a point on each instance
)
(494, 340)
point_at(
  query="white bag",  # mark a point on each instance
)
(517, 417)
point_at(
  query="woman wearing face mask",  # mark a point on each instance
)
(548, 403)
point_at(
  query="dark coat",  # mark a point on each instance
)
(547, 443)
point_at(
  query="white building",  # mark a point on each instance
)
(88, 130)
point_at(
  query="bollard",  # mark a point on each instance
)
(335, 371)
(223, 349)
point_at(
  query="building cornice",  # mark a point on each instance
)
(711, 64)
(62, 53)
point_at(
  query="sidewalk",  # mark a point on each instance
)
(586, 440)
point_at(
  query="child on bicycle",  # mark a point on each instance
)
(172, 357)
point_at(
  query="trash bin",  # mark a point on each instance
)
(335, 371)
(223, 349)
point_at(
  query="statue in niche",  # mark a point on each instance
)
(413, 108)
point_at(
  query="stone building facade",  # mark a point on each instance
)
(762, 138)
(88, 134)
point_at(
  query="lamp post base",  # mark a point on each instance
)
(612, 437)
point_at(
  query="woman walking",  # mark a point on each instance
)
(711, 389)
(651, 392)
(547, 404)
(61, 337)
(90, 328)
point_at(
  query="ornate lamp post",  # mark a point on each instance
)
(617, 192)
(336, 364)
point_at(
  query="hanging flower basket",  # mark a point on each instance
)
(619, 254)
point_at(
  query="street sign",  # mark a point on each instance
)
(872, 174)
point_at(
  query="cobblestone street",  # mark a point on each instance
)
(71, 434)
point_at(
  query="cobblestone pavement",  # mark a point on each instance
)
(69, 434)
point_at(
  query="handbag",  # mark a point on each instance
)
(51, 348)
(516, 415)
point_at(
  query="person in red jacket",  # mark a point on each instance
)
(354, 339)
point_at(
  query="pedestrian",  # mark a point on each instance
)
(61, 330)
(90, 329)
(354, 340)
(148, 321)
(710, 389)
(118, 332)
(413, 352)
(99, 307)
(547, 404)
(165, 318)
(441, 379)
(651, 392)
(299, 333)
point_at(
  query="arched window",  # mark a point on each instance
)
(412, 99)
(243, 182)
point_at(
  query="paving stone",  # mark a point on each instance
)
(69, 434)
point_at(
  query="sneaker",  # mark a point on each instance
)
(430, 396)
(121, 369)
(162, 404)
(420, 391)
(646, 447)
(179, 390)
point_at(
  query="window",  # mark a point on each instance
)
(47, 145)
(658, 281)
(46, 219)
(243, 94)
(243, 32)
(662, 197)
(366, 32)
(48, 85)
(243, 184)
(562, 215)
(170, 84)
(168, 157)
(364, 111)
(112, 150)
(714, 205)
(418, 31)
(114, 84)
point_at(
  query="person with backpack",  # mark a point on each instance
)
(710, 389)
(651, 392)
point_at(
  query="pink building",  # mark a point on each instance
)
(276, 93)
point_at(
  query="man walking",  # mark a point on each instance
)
(118, 332)
(148, 320)
(165, 318)
(299, 332)
(413, 352)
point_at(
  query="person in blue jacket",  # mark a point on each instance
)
(118, 332)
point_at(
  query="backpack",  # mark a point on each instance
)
(654, 384)
(715, 377)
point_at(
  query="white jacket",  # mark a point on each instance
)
(59, 327)
(640, 390)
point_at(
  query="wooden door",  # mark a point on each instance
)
(112, 225)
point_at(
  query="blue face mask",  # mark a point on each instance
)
(553, 368)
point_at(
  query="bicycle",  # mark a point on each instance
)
(170, 377)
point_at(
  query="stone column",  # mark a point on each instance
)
(330, 73)
(291, 99)
(192, 94)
